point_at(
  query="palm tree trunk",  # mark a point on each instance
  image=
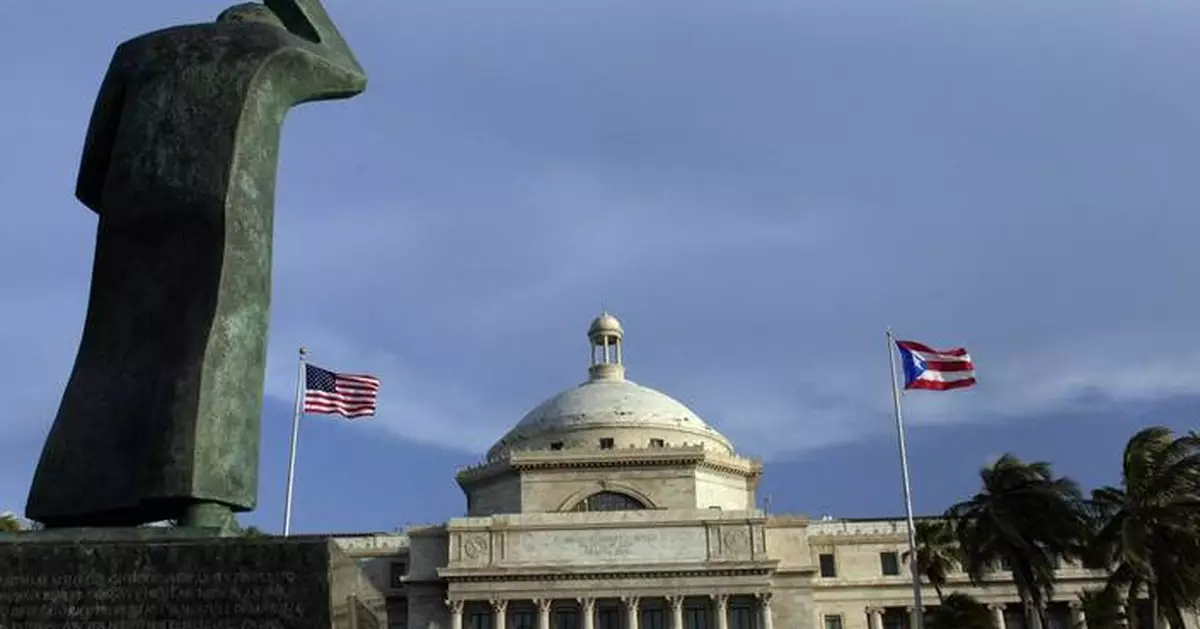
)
(1031, 618)
(1025, 593)
(1043, 612)
(1152, 603)
(1131, 618)
(1174, 618)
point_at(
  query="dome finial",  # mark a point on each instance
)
(605, 335)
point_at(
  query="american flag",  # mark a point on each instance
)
(348, 395)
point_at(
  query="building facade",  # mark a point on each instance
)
(613, 506)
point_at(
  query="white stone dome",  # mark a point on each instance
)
(609, 407)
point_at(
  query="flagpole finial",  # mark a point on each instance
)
(303, 351)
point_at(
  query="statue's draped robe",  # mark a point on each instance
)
(163, 406)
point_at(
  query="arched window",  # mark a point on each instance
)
(609, 501)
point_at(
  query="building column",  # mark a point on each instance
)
(874, 618)
(997, 614)
(456, 613)
(676, 611)
(543, 605)
(587, 610)
(766, 616)
(632, 617)
(721, 610)
(1078, 617)
(499, 613)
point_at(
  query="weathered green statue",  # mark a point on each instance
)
(160, 418)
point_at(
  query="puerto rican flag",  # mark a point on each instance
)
(936, 370)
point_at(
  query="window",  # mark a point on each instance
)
(608, 618)
(524, 619)
(1058, 616)
(396, 572)
(609, 501)
(557, 445)
(828, 565)
(657, 443)
(606, 443)
(741, 617)
(889, 563)
(480, 620)
(653, 618)
(695, 618)
(833, 621)
(566, 618)
(897, 619)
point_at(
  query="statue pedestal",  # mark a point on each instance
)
(173, 582)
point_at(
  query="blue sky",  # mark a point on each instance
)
(756, 188)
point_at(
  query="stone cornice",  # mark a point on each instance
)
(591, 573)
(426, 530)
(371, 545)
(845, 540)
(956, 580)
(598, 458)
(808, 570)
(787, 521)
(857, 529)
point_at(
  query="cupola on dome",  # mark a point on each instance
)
(608, 410)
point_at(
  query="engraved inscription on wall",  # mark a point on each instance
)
(212, 600)
(608, 546)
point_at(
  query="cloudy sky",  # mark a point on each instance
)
(757, 188)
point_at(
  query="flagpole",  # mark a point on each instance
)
(918, 611)
(291, 471)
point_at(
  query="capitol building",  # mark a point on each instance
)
(613, 506)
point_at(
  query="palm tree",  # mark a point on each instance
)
(10, 523)
(1101, 609)
(937, 553)
(1026, 517)
(960, 611)
(1147, 531)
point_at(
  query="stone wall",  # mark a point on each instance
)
(499, 494)
(791, 602)
(787, 541)
(428, 551)
(546, 491)
(723, 490)
(662, 478)
(427, 607)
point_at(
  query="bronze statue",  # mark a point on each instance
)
(160, 418)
